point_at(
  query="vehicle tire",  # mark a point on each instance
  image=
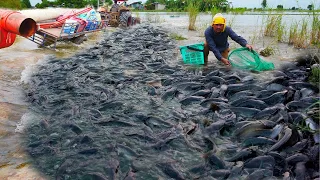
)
(125, 19)
(133, 21)
(79, 39)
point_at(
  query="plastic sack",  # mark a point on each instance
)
(89, 16)
(82, 23)
(243, 58)
(70, 26)
(83, 16)
(92, 15)
(98, 16)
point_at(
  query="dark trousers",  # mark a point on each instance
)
(224, 54)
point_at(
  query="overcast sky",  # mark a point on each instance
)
(250, 3)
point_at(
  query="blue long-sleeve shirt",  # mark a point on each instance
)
(218, 42)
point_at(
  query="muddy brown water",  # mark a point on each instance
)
(17, 64)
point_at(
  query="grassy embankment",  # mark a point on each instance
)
(301, 34)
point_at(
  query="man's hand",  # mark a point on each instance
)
(249, 47)
(225, 61)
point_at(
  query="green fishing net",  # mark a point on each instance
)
(243, 58)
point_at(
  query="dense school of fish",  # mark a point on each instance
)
(129, 109)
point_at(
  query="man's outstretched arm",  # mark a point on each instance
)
(240, 40)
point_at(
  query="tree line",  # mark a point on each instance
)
(181, 5)
(173, 5)
(206, 5)
(264, 5)
(25, 4)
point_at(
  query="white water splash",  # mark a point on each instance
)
(30, 68)
(26, 120)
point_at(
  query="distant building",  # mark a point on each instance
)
(136, 5)
(122, 1)
(158, 6)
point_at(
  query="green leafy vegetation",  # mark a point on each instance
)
(193, 12)
(315, 76)
(302, 34)
(281, 30)
(304, 128)
(171, 5)
(69, 3)
(182, 5)
(298, 34)
(293, 33)
(221, 5)
(315, 29)
(24, 4)
(314, 111)
(268, 51)
(273, 23)
(264, 4)
(10, 4)
(238, 10)
(177, 37)
(214, 11)
(302, 40)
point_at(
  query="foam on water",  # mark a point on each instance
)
(27, 119)
(30, 68)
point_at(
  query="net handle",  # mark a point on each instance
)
(245, 48)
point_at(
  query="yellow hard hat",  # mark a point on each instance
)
(219, 19)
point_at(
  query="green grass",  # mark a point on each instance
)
(273, 24)
(177, 37)
(302, 35)
(268, 51)
(315, 76)
(293, 32)
(281, 30)
(315, 30)
(314, 111)
(304, 128)
(237, 10)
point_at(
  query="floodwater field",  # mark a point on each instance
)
(19, 62)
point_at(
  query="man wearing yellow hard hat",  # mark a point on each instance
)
(217, 39)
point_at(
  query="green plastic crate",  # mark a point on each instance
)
(193, 54)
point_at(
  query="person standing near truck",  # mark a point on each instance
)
(217, 40)
(115, 6)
